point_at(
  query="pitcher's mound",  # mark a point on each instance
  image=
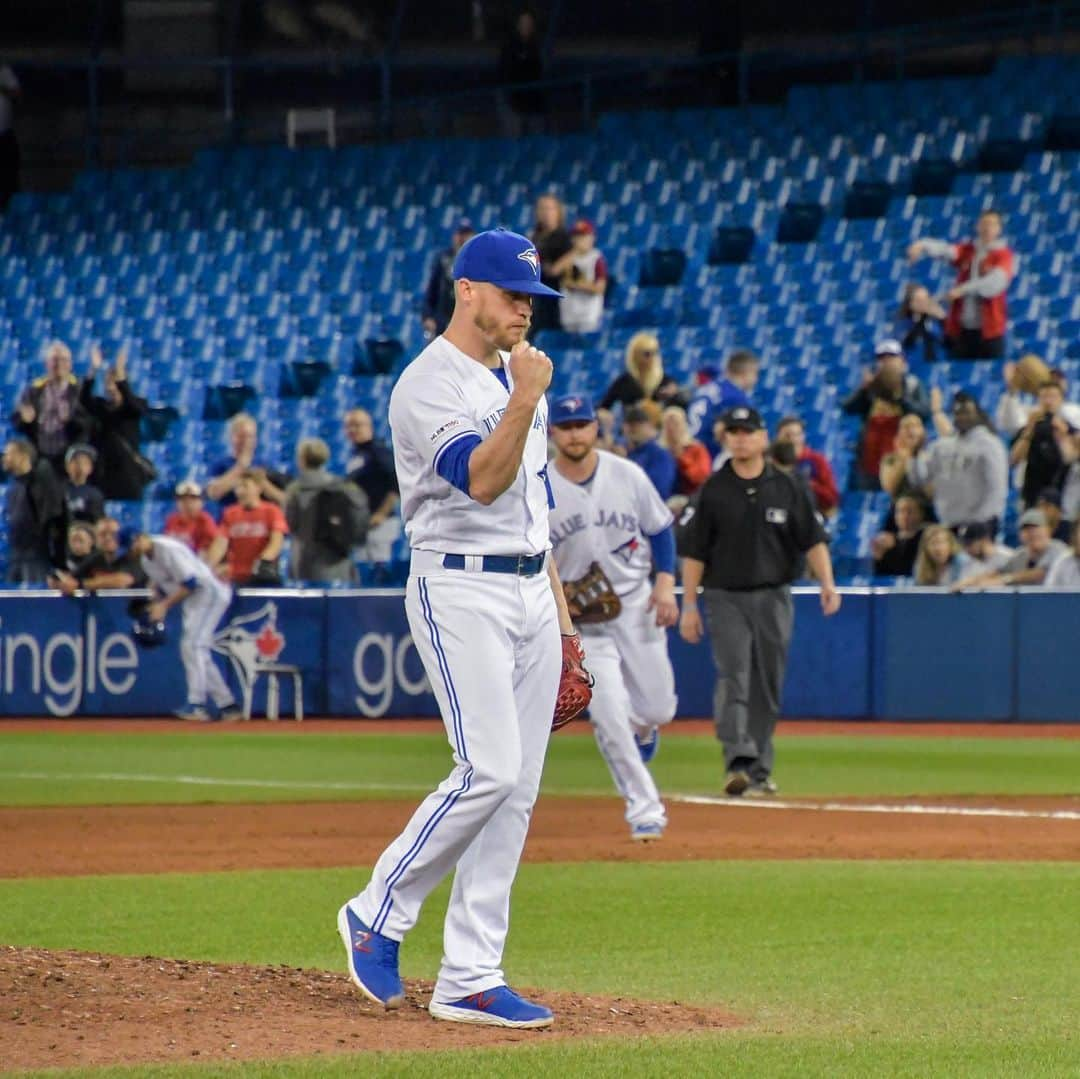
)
(78, 1008)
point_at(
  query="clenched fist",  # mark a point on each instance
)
(531, 370)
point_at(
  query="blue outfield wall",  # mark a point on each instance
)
(896, 655)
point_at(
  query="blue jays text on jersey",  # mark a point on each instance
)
(625, 522)
(491, 420)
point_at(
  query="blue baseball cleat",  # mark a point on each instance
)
(646, 833)
(373, 960)
(649, 746)
(498, 1007)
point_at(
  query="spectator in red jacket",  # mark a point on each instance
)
(978, 316)
(189, 522)
(813, 465)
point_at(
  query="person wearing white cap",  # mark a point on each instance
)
(887, 393)
(190, 522)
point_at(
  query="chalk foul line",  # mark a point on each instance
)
(903, 808)
(910, 808)
(215, 781)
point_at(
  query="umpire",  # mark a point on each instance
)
(745, 537)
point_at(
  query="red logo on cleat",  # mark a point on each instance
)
(360, 941)
(482, 1002)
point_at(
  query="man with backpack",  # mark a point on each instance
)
(328, 516)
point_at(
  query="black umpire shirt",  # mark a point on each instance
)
(749, 533)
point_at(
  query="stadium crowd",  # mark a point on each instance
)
(948, 467)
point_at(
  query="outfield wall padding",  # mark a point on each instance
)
(889, 654)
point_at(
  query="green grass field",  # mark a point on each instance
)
(54, 768)
(839, 968)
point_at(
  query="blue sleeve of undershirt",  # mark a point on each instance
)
(453, 463)
(663, 550)
(190, 583)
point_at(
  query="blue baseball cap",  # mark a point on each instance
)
(502, 258)
(571, 409)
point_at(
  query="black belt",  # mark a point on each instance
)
(521, 565)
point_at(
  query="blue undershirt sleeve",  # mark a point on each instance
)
(190, 583)
(663, 550)
(453, 463)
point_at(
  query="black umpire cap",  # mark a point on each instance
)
(742, 418)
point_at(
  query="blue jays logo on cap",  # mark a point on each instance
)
(571, 409)
(499, 257)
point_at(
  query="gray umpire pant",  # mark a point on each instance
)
(750, 633)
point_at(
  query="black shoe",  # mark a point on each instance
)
(737, 783)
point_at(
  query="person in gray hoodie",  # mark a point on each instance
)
(328, 516)
(968, 472)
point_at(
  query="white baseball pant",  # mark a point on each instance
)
(202, 611)
(634, 692)
(490, 645)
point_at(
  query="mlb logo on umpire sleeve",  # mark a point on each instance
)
(776, 516)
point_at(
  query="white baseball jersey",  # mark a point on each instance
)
(606, 520)
(489, 642)
(442, 397)
(175, 564)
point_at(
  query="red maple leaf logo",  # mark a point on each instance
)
(269, 642)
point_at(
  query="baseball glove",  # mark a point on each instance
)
(575, 686)
(592, 598)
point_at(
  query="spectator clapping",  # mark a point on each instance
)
(920, 325)
(966, 471)
(887, 394)
(1043, 445)
(121, 471)
(226, 474)
(49, 412)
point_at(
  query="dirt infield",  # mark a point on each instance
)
(73, 841)
(63, 1009)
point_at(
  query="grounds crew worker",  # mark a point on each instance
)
(745, 537)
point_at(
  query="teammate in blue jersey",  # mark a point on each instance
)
(718, 396)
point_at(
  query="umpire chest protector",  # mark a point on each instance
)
(750, 533)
